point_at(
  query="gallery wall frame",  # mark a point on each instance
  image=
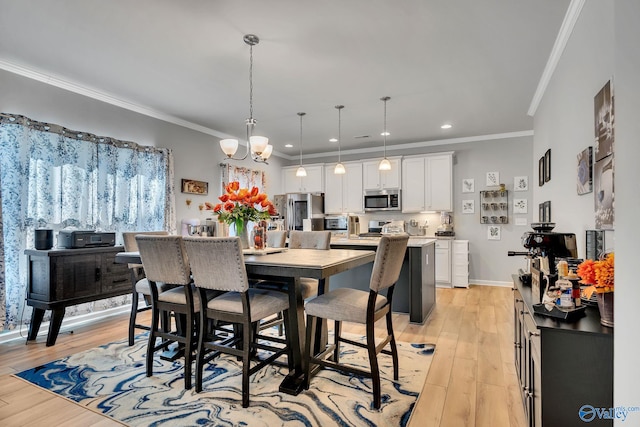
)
(547, 165)
(604, 121)
(541, 170)
(520, 183)
(192, 186)
(585, 171)
(468, 185)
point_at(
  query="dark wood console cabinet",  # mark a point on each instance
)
(561, 366)
(59, 278)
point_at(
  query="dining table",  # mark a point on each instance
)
(287, 266)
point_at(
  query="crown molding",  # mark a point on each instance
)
(570, 19)
(410, 145)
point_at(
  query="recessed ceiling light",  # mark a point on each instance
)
(385, 134)
(333, 140)
(446, 126)
(288, 146)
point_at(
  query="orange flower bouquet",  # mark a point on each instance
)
(241, 205)
(597, 274)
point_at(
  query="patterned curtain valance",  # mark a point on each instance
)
(7, 118)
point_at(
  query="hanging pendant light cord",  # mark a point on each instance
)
(339, 107)
(385, 99)
(301, 114)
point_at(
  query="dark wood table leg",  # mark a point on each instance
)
(294, 382)
(321, 333)
(57, 314)
(36, 320)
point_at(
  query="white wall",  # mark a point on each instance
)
(627, 185)
(197, 155)
(603, 46)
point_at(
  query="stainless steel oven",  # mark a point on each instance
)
(382, 200)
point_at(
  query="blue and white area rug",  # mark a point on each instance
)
(111, 380)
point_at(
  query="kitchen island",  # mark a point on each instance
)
(415, 292)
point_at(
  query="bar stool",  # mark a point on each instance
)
(353, 305)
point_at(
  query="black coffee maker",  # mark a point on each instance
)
(544, 246)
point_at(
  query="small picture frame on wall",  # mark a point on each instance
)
(520, 183)
(493, 179)
(493, 232)
(468, 206)
(191, 186)
(547, 211)
(547, 165)
(468, 185)
(541, 171)
(541, 212)
(585, 171)
(519, 206)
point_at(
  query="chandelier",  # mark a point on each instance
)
(258, 145)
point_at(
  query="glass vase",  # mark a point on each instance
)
(241, 231)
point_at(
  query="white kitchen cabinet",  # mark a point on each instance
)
(374, 179)
(460, 264)
(343, 192)
(312, 183)
(427, 181)
(443, 263)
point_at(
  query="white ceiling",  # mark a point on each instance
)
(474, 64)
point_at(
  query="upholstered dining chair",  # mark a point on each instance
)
(276, 238)
(217, 264)
(353, 305)
(140, 284)
(309, 240)
(165, 260)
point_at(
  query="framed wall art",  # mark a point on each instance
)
(547, 211)
(603, 122)
(191, 186)
(547, 165)
(603, 179)
(493, 179)
(541, 212)
(468, 185)
(520, 183)
(468, 206)
(585, 171)
(519, 206)
(541, 171)
(493, 232)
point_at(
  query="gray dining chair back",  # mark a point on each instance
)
(388, 262)
(140, 284)
(224, 252)
(309, 239)
(164, 259)
(276, 238)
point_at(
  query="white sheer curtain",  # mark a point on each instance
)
(53, 177)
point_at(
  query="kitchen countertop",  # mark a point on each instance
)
(414, 241)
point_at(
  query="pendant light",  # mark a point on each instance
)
(301, 170)
(339, 170)
(385, 165)
(257, 145)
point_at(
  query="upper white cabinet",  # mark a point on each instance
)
(312, 183)
(343, 192)
(374, 179)
(427, 181)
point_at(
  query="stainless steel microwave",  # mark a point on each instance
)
(382, 200)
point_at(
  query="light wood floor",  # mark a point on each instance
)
(471, 382)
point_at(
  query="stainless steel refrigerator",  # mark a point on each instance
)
(303, 211)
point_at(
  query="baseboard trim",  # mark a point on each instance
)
(67, 323)
(491, 283)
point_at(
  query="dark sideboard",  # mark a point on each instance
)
(562, 367)
(59, 278)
